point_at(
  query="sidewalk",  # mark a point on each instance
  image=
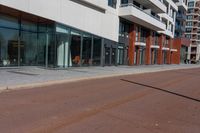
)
(28, 77)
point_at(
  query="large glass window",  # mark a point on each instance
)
(9, 47)
(51, 49)
(62, 42)
(96, 51)
(75, 49)
(8, 22)
(42, 49)
(28, 51)
(86, 51)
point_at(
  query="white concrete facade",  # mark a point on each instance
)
(96, 17)
(103, 23)
(169, 18)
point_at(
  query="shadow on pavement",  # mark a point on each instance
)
(163, 90)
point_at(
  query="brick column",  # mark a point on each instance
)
(160, 55)
(176, 55)
(148, 48)
(131, 50)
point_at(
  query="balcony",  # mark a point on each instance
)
(181, 4)
(139, 16)
(102, 4)
(155, 5)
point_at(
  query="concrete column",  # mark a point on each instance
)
(148, 48)
(131, 50)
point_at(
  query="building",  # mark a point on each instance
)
(72, 33)
(181, 43)
(193, 30)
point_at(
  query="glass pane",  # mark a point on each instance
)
(28, 52)
(8, 47)
(61, 29)
(29, 26)
(62, 50)
(86, 52)
(41, 50)
(6, 21)
(51, 50)
(113, 56)
(75, 49)
(107, 56)
(96, 51)
(120, 58)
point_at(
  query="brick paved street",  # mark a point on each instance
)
(161, 102)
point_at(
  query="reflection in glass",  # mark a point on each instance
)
(75, 49)
(9, 47)
(86, 51)
(120, 58)
(107, 56)
(51, 49)
(113, 56)
(41, 50)
(28, 52)
(62, 50)
(96, 51)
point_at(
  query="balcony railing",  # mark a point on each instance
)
(132, 5)
(181, 16)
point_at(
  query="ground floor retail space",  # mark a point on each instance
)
(28, 40)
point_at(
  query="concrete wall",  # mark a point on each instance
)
(104, 24)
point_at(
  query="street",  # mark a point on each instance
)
(161, 102)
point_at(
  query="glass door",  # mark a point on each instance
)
(107, 56)
(113, 56)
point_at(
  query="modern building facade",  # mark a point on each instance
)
(193, 30)
(181, 43)
(72, 33)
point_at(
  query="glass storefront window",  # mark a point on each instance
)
(96, 51)
(28, 52)
(86, 50)
(41, 49)
(8, 22)
(9, 47)
(62, 50)
(51, 49)
(75, 49)
(29, 26)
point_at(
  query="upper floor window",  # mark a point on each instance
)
(112, 3)
(190, 4)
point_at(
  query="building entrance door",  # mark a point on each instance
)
(107, 56)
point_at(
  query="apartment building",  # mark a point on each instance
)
(181, 43)
(74, 33)
(193, 30)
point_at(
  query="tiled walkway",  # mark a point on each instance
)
(30, 76)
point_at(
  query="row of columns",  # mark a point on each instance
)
(148, 53)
